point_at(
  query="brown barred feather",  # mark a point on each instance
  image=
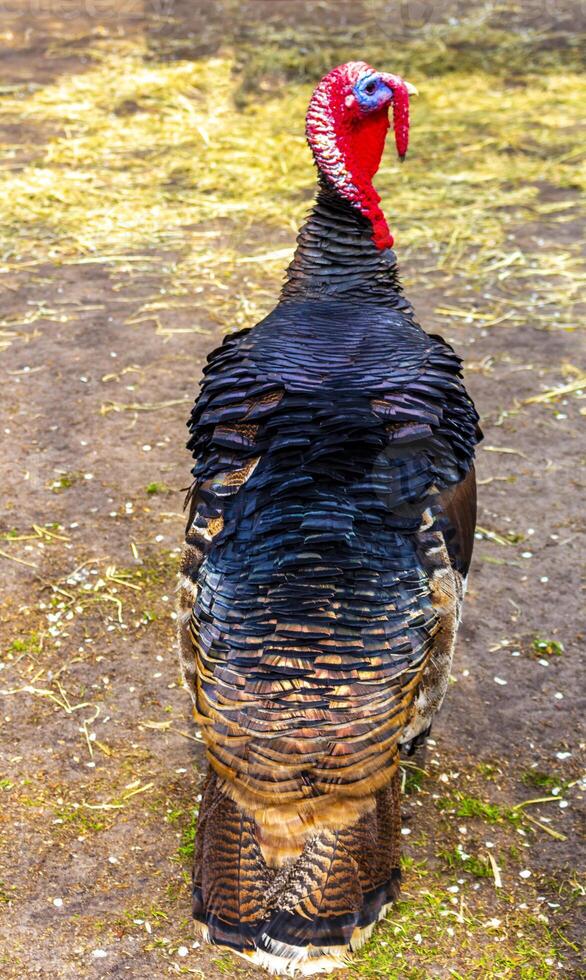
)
(229, 867)
(321, 900)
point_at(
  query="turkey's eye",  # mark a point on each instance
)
(370, 88)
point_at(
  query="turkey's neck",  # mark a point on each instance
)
(337, 259)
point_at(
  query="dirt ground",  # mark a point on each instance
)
(101, 353)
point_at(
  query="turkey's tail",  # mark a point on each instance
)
(307, 914)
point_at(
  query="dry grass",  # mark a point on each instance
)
(157, 154)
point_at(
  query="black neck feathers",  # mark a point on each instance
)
(337, 259)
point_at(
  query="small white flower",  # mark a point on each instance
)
(182, 951)
(57, 902)
(525, 873)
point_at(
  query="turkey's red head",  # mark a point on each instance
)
(346, 125)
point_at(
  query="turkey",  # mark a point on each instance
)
(330, 530)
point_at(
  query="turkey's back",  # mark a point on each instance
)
(323, 438)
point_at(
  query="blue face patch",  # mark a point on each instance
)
(372, 93)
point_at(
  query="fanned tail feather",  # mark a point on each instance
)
(308, 914)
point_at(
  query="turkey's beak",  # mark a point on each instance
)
(401, 91)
